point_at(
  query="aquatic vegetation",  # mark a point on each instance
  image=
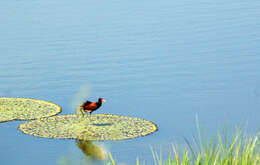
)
(26, 109)
(89, 127)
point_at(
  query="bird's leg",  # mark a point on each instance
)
(90, 115)
(82, 112)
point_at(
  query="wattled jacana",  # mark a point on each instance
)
(89, 106)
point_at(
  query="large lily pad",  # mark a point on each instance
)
(26, 109)
(89, 127)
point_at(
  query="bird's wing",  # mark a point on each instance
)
(91, 106)
(86, 103)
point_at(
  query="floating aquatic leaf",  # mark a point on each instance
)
(26, 109)
(94, 127)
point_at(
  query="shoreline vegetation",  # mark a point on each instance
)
(223, 149)
(237, 149)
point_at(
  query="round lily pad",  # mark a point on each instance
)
(89, 127)
(26, 109)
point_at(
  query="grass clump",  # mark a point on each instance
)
(224, 149)
(235, 150)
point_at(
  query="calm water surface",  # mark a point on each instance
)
(161, 61)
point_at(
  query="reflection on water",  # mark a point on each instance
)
(92, 151)
(92, 154)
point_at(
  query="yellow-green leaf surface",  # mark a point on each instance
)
(89, 127)
(26, 109)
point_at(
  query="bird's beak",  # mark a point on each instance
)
(104, 100)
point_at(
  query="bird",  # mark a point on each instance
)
(89, 106)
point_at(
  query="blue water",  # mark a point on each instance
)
(162, 61)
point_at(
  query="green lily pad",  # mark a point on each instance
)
(89, 127)
(26, 109)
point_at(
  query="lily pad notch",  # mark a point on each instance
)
(26, 109)
(94, 127)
